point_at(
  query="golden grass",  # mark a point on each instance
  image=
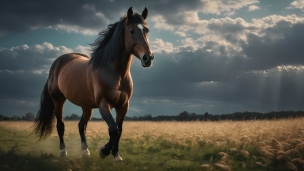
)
(280, 140)
(276, 134)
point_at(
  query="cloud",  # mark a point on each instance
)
(298, 4)
(77, 29)
(188, 44)
(233, 45)
(228, 35)
(217, 88)
(279, 45)
(79, 17)
(24, 70)
(89, 17)
(206, 60)
(236, 64)
(21, 88)
(160, 23)
(159, 46)
(36, 57)
(83, 49)
(253, 8)
(219, 6)
(187, 15)
(181, 34)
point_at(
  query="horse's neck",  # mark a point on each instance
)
(122, 65)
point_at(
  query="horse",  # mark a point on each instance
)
(101, 81)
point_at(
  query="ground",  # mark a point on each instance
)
(195, 145)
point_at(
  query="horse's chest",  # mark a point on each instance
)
(120, 95)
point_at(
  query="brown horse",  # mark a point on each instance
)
(102, 81)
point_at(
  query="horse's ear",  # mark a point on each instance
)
(145, 13)
(130, 12)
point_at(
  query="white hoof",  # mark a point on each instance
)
(63, 153)
(118, 159)
(86, 153)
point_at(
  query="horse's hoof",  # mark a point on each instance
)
(86, 153)
(63, 153)
(101, 153)
(118, 160)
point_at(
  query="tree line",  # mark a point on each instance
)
(28, 117)
(237, 116)
(183, 116)
(31, 117)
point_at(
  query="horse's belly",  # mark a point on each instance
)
(82, 101)
(77, 92)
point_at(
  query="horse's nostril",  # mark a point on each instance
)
(152, 57)
(145, 58)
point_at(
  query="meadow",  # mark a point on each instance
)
(196, 145)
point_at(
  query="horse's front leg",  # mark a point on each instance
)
(120, 115)
(113, 132)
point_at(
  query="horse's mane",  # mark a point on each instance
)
(110, 42)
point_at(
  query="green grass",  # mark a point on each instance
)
(21, 151)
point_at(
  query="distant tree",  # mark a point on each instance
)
(134, 118)
(183, 116)
(140, 118)
(192, 116)
(6, 118)
(74, 117)
(96, 119)
(127, 118)
(217, 117)
(1, 117)
(29, 116)
(16, 118)
(206, 116)
(148, 117)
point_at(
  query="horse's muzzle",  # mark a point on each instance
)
(147, 60)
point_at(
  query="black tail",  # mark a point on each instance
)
(44, 121)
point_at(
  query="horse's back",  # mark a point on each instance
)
(65, 59)
(68, 75)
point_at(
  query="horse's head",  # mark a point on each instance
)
(136, 37)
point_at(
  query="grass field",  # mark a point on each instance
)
(225, 145)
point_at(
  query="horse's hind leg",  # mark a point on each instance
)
(86, 116)
(59, 100)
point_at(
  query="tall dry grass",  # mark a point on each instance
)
(260, 141)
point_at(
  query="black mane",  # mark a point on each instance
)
(110, 42)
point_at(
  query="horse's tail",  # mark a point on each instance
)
(44, 120)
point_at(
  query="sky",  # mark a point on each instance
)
(214, 56)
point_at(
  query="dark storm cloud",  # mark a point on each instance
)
(231, 87)
(188, 67)
(281, 45)
(23, 72)
(209, 75)
(187, 75)
(253, 80)
(20, 91)
(277, 90)
(20, 84)
(20, 16)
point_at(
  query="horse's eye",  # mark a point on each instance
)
(132, 31)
